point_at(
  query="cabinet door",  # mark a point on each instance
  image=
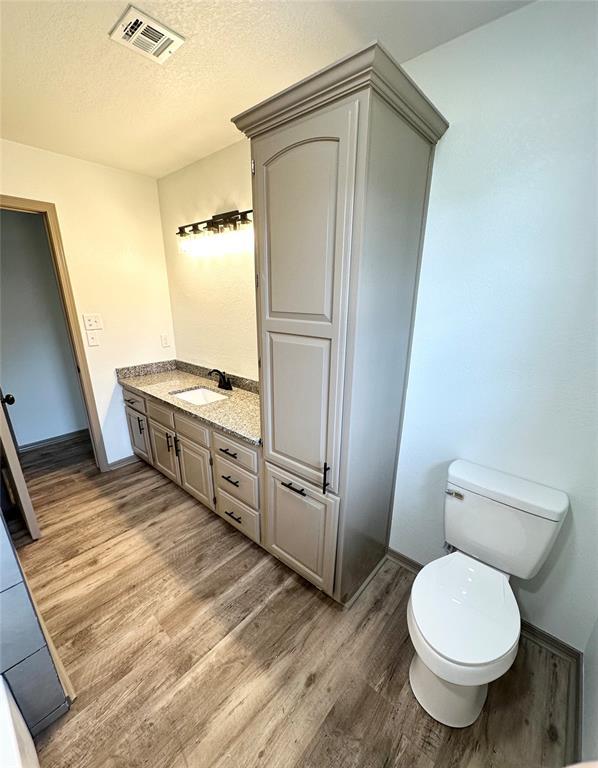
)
(163, 449)
(139, 434)
(300, 527)
(20, 633)
(196, 475)
(303, 188)
(36, 687)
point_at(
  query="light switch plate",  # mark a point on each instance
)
(93, 321)
(164, 340)
(93, 339)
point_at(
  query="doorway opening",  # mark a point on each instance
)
(47, 403)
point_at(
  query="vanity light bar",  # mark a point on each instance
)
(218, 222)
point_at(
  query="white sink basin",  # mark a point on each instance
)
(200, 396)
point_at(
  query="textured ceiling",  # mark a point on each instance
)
(68, 88)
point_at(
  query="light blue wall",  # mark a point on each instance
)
(503, 369)
(36, 361)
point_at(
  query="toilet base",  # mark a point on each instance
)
(455, 705)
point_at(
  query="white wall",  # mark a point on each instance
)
(503, 369)
(213, 293)
(36, 359)
(590, 703)
(110, 226)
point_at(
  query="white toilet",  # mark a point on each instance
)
(463, 617)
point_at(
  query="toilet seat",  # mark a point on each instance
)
(465, 613)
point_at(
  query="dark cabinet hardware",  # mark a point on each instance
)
(8, 399)
(228, 453)
(168, 441)
(291, 487)
(325, 482)
(230, 514)
(177, 445)
(229, 480)
(223, 379)
(140, 423)
(130, 401)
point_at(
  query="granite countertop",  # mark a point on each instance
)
(238, 415)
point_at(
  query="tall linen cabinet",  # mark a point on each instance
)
(341, 167)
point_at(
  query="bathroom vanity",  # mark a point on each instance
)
(341, 166)
(212, 450)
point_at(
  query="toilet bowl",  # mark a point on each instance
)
(463, 618)
(464, 624)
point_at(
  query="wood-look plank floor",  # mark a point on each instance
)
(190, 647)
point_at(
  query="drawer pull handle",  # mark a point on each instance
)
(141, 427)
(228, 453)
(229, 480)
(236, 519)
(291, 487)
(168, 442)
(130, 401)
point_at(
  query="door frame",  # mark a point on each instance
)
(65, 291)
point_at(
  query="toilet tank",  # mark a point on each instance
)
(502, 520)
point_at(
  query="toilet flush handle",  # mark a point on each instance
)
(456, 494)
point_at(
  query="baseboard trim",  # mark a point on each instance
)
(550, 643)
(359, 591)
(406, 562)
(121, 463)
(53, 440)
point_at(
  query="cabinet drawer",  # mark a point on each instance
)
(160, 413)
(236, 453)
(300, 526)
(238, 514)
(192, 430)
(236, 481)
(36, 687)
(134, 401)
(20, 633)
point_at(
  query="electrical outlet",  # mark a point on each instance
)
(164, 340)
(93, 322)
(93, 339)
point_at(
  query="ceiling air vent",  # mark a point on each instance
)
(145, 35)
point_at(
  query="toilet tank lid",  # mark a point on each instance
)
(522, 494)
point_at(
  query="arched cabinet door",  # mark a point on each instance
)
(303, 201)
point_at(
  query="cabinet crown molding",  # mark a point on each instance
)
(371, 67)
